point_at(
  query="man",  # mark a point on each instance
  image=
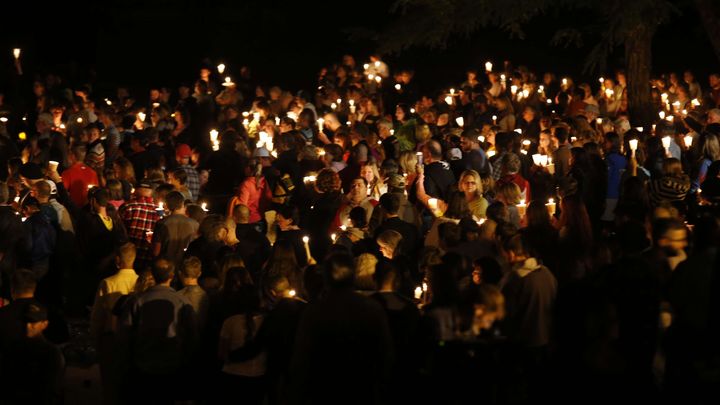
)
(530, 292)
(561, 156)
(390, 203)
(227, 168)
(343, 346)
(174, 233)
(43, 237)
(669, 242)
(183, 153)
(32, 370)
(78, 176)
(22, 292)
(157, 335)
(112, 136)
(253, 245)
(140, 215)
(407, 211)
(438, 176)
(101, 322)
(473, 157)
(389, 141)
(190, 272)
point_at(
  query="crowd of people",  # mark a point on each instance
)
(513, 238)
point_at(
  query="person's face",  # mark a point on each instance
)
(544, 140)
(204, 73)
(466, 144)
(471, 76)
(358, 189)
(528, 115)
(469, 185)
(477, 275)
(367, 174)
(714, 80)
(674, 242)
(386, 251)
(399, 114)
(154, 94)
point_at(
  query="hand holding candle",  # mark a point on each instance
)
(633, 146)
(521, 208)
(551, 207)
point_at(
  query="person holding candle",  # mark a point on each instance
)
(616, 165)
(709, 152)
(471, 185)
(140, 215)
(173, 233)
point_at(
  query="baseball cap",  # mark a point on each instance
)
(396, 181)
(183, 151)
(53, 186)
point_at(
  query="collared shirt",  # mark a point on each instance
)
(193, 181)
(140, 216)
(108, 292)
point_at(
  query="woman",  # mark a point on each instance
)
(404, 127)
(457, 209)
(471, 185)
(287, 220)
(540, 234)
(409, 164)
(709, 153)
(376, 186)
(243, 301)
(509, 194)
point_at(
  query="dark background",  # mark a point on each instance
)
(161, 42)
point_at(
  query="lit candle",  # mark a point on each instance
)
(412, 111)
(551, 206)
(664, 98)
(256, 116)
(564, 82)
(309, 179)
(521, 208)
(17, 200)
(377, 63)
(490, 153)
(398, 87)
(79, 120)
(16, 53)
(598, 121)
(688, 139)
(204, 207)
(448, 100)
(633, 146)
(221, 68)
(343, 228)
(277, 121)
(292, 293)
(481, 138)
(418, 292)
(661, 114)
(639, 129)
(320, 123)
(333, 237)
(666, 143)
(488, 66)
(549, 101)
(526, 142)
(352, 106)
(333, 106)
(513, 89)
(526, 93)
(214, 135)
(460, 121)
(494, 117)
(378, 79)
(306, 241)
(695, 102)
(433, 203)
(609, 93)
(141, 116)
(53, 165)
(670, 118)
(366, 66)
(601, 80)
(519, 131)
(452, 92)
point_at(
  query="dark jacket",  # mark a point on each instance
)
(438, 180)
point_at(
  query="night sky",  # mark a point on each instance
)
(162, 42)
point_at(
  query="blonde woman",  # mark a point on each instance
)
(376, 187)
(509, 194)
(388, 242)
(471, 186)
(408, 164)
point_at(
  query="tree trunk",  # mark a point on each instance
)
(710, 15)
(638, 57)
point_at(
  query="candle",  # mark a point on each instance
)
(490, 153)
(488, 66)
(541, 88)
(526, 142)
(53, 165)
(418, 292)
(664, 98)
(448, 100)
(398, 87)
(564, 81)
(519, 131)
(521, 208)
(666, 142)
(214, 135)
(601, 80)
(309, 179)
(481, 138)
(598, 121)
(306, 241)
(89, 186)
(79, 120)
(661, 114)
(161, 206)
(366, 66)
(452, 92)
(526, 93)
(371, 77)
(333, 106)
(108, 102)
(433, 203)
(256, 116)
(221, 68)
(670, 118)
(412, 111)
(333, 237)
(549, 101)
(609, 93)
(460, 121)
(343, 228)
(639, 129)
(377, 63)
(378, 79)
(513, 89)
(551, 206)
(17, 200)
(292, 293)
(204, 207)
(494, 117)
(688, 139)
(16, 53)
(633, 146)
(277, 121)
(695, 102)
(320, 123)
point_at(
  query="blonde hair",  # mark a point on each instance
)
(408, 162)
(377, 181)
(390, 239)
(365, 271)
(476, 177)
(509, 193)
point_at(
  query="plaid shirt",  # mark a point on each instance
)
(140, 216)
(193, 181)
